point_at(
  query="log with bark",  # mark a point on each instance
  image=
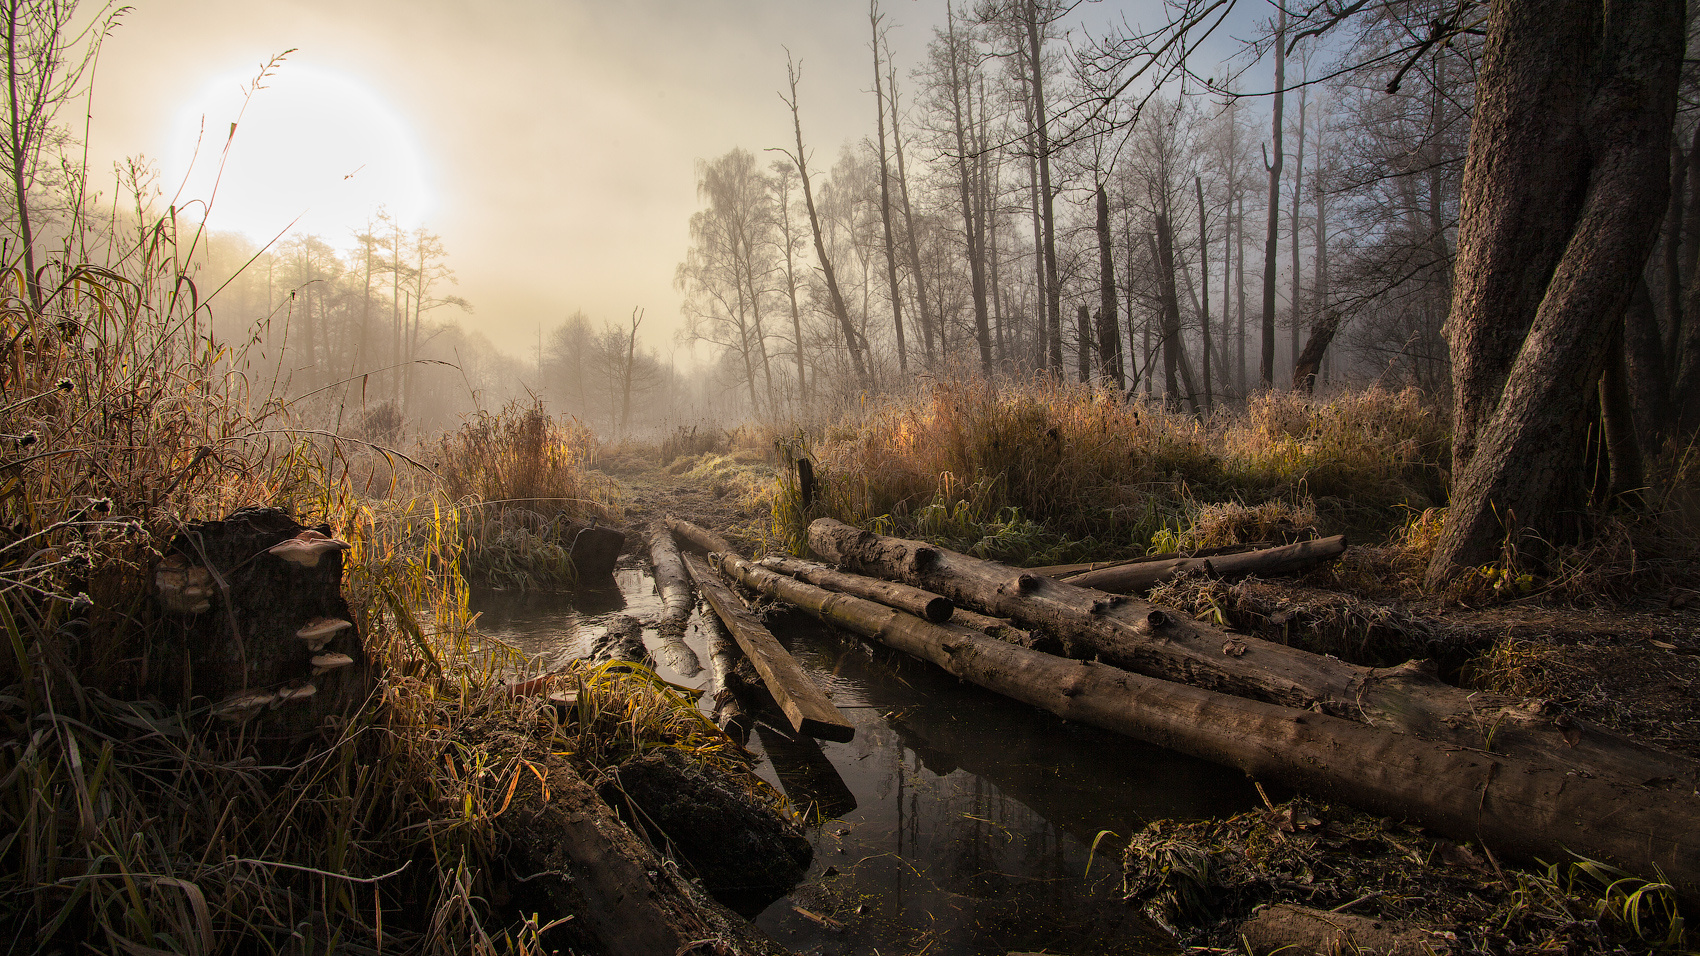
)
(584, 861)
(673, 583)
(1135, 635)
(802, 702)
(901, 596)
(698, 537)
(723, 656)
(1522, 807)
(621, 640)
(1270, 562)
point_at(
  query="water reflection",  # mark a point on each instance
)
(959, 822)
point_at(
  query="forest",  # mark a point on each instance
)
(1246, 448)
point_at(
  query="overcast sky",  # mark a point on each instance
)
(551, 143)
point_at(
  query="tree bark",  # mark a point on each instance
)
(921, 303)
(835, 299)
(1518, 806)
(885, 196)
(1204, 285)
(970, 231)
(1270, 562)
(1133, 634)
(802, 702)
(1271, 241)
(1036, 76)
(1109, 335)
(922, 604)
(1517, 448)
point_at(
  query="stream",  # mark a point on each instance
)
(956, 823)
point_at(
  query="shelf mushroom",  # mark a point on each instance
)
(319, 631)
(307, 548)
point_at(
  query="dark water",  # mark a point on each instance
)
(957, 822)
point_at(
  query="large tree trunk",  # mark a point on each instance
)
(1204, 286)
(1271, 241)
(1035, 61)
(885, 196)
(1518, 447)
(959, 95)
(1136, 635)
(1526, 808)
(834, 298)
(1109, 336)
(909, 222)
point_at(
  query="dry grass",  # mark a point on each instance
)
(1047, 470)
(520, 478)
(126, 826)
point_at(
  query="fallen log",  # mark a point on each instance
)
(1060, 571)
(1138, 636)
(901, 596)
(673, 583)
(1270, 562)
(588, 865)
(802, 702)
(697, 536)
(723, 656)
(1520, 806)
(620, 640)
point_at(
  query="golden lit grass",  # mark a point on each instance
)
(518, 477)
(1046, 470)
(127, 826)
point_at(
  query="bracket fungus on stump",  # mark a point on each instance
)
(258, 625)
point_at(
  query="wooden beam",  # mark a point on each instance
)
(804, 705)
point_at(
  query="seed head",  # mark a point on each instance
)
(28, 438)
(65, 385)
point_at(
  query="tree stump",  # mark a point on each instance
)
(257, 625)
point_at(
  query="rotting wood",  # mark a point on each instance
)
(1525, 808)
(1140, 637)
(673, 583)
(799, 699)
(704, 540)
(620, 640)
(1270, 562)
(890, 593)
(590, 866)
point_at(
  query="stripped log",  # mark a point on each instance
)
(673, 583)
(1522, 807)
(697, 536)
(1138, 636)
(1270, 562)
(802, 702)
(590, 867)
(723, 655)
(890, 593)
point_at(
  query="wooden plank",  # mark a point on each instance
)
(804, 705)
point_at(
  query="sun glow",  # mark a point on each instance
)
(314, 149)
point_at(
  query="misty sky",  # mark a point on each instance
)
(551, 143)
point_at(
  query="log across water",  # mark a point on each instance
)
(804, 705)
(1519, 806)
(1139, 637)
(673, 583)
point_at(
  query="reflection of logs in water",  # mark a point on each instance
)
(809, 779)
(622, 641)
